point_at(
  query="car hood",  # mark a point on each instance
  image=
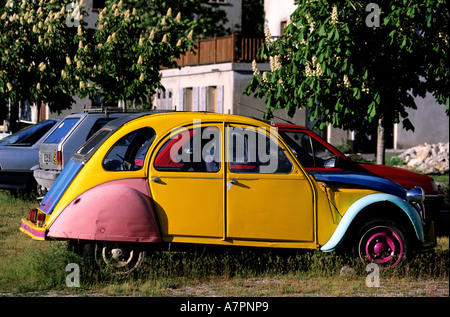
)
(408, 179)
(360, 179)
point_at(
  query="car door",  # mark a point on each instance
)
(268, 196)
(186, 182)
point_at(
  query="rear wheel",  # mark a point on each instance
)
(382, 241)
(119, 258)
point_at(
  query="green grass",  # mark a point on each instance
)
(39, 267)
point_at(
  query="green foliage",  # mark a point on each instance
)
(201, 16)
(122, 60)
(34, 43)
(350, 75)
(345, 147)
(48, 53)
(28, 266)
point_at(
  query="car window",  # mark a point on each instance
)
(29, 135)
(62, 130)
(93, 142)
(321, 153)
(100, 123)
(194, 150)
(309, 151)
(300, 144)
(251, 151)
(128, 154)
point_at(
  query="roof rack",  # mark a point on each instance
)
(108, 110)
(103, 109)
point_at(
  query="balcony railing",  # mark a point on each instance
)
(231, 48)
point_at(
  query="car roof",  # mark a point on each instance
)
(289, 126)
(182, 117)
(170, 119)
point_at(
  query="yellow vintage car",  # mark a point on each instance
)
(148, 181)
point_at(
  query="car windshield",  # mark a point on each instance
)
(62, 130)
(29, 135)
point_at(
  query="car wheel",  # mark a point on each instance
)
(383, 242)
(118, 258)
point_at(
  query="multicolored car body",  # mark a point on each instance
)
(315, 154)
(146, 181)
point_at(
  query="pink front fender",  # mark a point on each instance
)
(120, 210)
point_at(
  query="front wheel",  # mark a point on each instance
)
(119, 258)
(383, 242)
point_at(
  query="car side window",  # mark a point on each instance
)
(300, 144)
(251, 151)
(310, 152)
(321, 153)
(191, 150)
(128, 154)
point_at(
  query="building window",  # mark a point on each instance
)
(283, 26)
(164, 99)
(187, 99)
(211, 99)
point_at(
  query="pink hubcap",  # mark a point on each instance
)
(384, 246)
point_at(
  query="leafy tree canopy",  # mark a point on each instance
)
(204, 18)
(350, 63)
(34, 43)
(48, 54)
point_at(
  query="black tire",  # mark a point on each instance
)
(381, 241)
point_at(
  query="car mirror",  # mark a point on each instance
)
(330, 163)
(334, 162)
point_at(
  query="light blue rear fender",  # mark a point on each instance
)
(364, 202)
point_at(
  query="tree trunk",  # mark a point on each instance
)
(380, 143)
(14, 117)
(38, 108)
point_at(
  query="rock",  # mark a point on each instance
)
(428, 158)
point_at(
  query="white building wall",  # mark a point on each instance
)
(276, 12)
(431, 124)
(200, 78)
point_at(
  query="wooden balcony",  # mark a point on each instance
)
(225, 49)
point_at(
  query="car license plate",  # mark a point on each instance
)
(47, 158)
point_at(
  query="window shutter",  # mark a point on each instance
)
(203, 99)
(180, 99)
(195, 99)
(220, 90)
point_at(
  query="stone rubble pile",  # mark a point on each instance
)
(428, 158)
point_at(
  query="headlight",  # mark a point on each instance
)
(415, 195)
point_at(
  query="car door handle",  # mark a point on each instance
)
(155, 179)
(233, 181)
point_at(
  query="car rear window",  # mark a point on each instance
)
(29, 135)
(62, 130)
